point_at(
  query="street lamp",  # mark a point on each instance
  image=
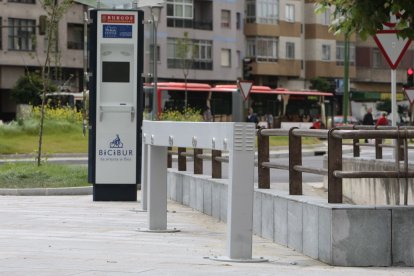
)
(155, 19)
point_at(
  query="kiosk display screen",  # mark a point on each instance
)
(115, 71)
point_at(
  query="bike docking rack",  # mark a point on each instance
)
(236, 138)
(334, 172)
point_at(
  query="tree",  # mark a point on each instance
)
(186, 52)
(28, 89)
(54, 12)
(366, 17)
(321, 84)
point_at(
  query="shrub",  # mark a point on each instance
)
(188, 114)
(59, 114)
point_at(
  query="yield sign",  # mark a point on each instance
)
(409, 92)
(245, 87)
(392, 47)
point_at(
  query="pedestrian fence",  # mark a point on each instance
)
(336, 137)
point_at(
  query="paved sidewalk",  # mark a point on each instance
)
(72, 235)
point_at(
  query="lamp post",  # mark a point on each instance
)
(155, 19)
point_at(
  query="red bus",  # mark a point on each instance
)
(228, 105)
(175, 96)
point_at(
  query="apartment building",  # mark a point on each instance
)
(214, 30)
(287, 42)
(22, 48)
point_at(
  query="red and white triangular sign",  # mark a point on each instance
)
(392, 47)
(409, 92)
(245, 87)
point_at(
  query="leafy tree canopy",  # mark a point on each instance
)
(366, 17)
(322, 84)
(28, 89)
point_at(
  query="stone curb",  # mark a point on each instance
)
(47, 191)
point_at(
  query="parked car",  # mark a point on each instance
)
(339, 121)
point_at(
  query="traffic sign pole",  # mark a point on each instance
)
(394, 97)
(393, 49)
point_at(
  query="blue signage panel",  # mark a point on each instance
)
(117, 31)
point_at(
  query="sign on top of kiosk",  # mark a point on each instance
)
(392, 47)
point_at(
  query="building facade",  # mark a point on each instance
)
(23, 48)
(286, 41)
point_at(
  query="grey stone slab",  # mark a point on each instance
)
(295, 235)
(215, 195)
(267, 217)
(281, 221)
(186, 191)
(207, 197)
(199, 195)
(171, 180)
(179, 188)
(257, 214)
(361, 237)
(223, 203)
(310, 230)
(325, 234)
(403, 237)
(193, 194)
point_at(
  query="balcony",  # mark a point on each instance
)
(196, 64)
(190, 24)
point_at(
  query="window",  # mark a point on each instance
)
(226, 57)
(203, 49)
(23, 1)
(180, 9)
(263, 48)
(180, 13)
(290, 12)
(238, 59)
(75, 36)
(21, 34)
(290, 50)
(340, 53)
(326, 52)
(225, 19)
(238, 20)
(376, 58)
(262, 11)
(198, 56)
(326, 17)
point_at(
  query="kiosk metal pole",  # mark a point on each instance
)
(155, 17)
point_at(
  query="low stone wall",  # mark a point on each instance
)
(337, 234)
(374, 191)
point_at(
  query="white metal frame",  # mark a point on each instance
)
(236, 138)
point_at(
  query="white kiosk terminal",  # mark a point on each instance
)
(115, 104)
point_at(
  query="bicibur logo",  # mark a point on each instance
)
(116, 148)
(116, 143)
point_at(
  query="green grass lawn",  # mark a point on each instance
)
(58, 137)
(29, 175)
(277, 141)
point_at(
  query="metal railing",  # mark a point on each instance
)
(198, 156)
(334, 171)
